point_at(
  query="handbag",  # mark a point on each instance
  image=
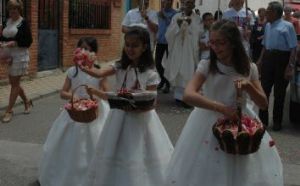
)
(5, 57)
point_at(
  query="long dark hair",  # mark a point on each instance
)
(91, 42)
(146, 60)
(240, 59)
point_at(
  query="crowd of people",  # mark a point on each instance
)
(204, 59)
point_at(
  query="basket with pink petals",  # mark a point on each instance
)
(237, 137)
(83, 110)
(241, 136)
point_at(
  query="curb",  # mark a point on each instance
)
(35, 98)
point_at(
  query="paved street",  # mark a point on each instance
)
(21, 140)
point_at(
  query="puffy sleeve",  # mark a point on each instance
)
(71, 72)
(203, 67)
(153, 78)
(253, 72)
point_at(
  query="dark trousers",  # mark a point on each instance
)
(273, 68)
(256, 50)
(159, 53)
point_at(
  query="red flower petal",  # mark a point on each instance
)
(271, 143)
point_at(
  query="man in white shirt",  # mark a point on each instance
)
(238, 14)
(144, 17)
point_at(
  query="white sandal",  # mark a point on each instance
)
(7, 117)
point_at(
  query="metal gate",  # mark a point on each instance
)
(48, 35)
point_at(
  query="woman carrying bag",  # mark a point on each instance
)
(16, 38)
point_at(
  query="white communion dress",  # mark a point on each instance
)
(134, 148)
(197, 159)
(70, 145)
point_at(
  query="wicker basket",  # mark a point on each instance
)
(240, 143)
(136, 101)
(233, 137)
(83, 116)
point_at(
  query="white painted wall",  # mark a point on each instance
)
(256, 4)
(212, 5)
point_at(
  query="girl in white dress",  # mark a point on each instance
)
(197, 158)
(134, 148)
(70, 145)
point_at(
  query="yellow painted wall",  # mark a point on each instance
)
(153, 4)
(134, 3)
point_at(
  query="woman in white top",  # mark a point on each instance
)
(16, 38)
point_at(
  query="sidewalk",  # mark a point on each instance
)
(44, 84)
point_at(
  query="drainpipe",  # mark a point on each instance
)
(1, 9)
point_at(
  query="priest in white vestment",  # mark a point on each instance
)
(183, 35)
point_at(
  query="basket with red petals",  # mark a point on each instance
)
(241, 136)
(132, 99)
(234, 139)
(83, 110)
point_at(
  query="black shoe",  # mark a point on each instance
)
(35, 183)
(178, 103)
(160, 85)
(184, 105)
(166, 90)
(276, 127)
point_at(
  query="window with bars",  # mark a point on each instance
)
(48, 14)
(89, 14)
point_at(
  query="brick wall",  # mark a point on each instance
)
(108, 40)
(32, 12)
